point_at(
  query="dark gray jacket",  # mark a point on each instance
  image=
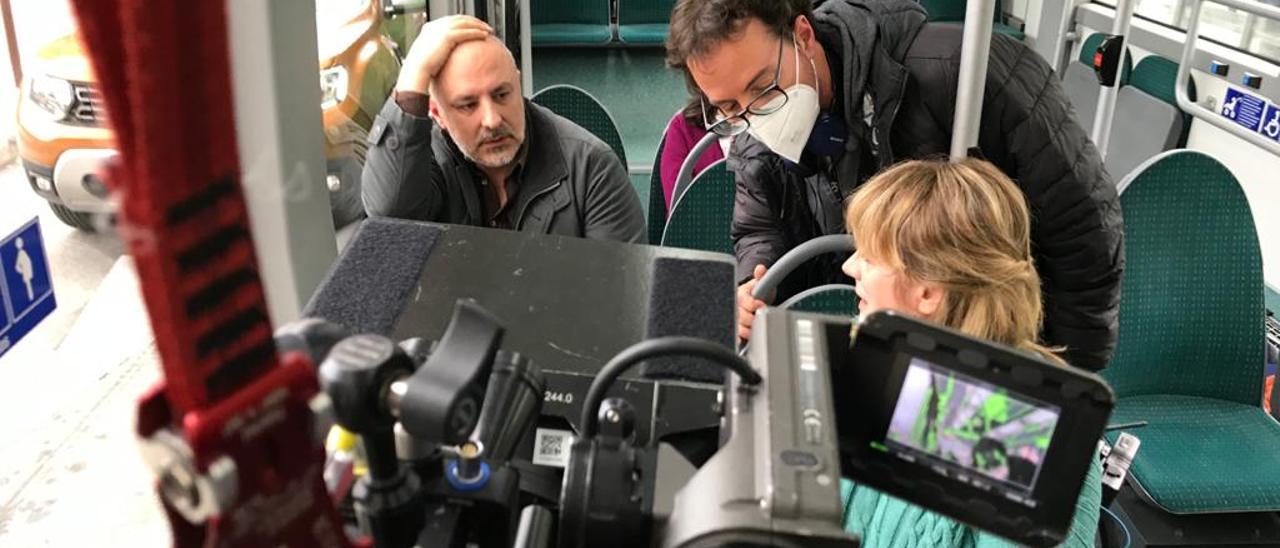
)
(572, 183)
(907, 70)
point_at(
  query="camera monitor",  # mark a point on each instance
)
(993, 437)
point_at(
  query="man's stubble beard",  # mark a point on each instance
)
(493, 160)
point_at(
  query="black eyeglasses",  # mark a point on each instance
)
(768, 101)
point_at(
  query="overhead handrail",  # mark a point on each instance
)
(1182, 93)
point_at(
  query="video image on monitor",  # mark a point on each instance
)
(972, 424)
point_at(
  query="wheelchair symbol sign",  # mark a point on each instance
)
(1271, 123)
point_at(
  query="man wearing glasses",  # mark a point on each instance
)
(821, 97)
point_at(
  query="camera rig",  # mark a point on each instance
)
(233, 430)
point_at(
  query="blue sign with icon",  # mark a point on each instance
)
(26, 294)
(1270, 127)
(1243, 109)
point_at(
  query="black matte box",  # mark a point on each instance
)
(569, 304)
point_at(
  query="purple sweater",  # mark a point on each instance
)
(681, 136)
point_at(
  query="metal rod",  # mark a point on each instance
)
(1250, 27)
(1250, 6)
(1107, 95)
(526, 48)
(1179, 10)
(978, 21)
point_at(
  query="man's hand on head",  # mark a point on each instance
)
(433, 46)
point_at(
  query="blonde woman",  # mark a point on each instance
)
(949, 243)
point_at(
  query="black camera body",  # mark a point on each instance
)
(990, 436)
(994, 437)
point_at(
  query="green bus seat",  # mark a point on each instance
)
(580, 107)
(1189, 357)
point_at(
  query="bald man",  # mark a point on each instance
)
(460, 144)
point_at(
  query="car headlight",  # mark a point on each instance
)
(333, 86)
(53, 95)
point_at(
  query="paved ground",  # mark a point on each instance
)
(69, 467)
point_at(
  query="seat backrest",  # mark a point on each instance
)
(638, 12)
(580, 107)
(1191, 314)
(1141, 127)
(836, 299)
(1158, 76)
(657, 202)
(701, 217)
(1147, 120)
(585, 12)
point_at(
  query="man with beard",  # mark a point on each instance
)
(458, 143)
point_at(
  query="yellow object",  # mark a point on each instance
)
(340, 439)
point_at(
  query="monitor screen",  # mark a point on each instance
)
(970, 431)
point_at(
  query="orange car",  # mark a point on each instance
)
(64, 135)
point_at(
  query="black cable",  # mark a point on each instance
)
(657, 348)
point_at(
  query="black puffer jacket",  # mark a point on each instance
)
(906, 71)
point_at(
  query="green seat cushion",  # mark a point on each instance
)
(643, 34)
(1201, 455)
(563, 34)
(1273, 300)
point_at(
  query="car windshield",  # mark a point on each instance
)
(331, 14)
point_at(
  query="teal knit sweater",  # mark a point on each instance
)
(886, 522)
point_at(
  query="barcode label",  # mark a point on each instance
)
(551, 447)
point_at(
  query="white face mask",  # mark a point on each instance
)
(786, 131)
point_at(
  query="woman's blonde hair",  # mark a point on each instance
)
(962, 226)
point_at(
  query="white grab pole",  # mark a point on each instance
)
(978, 22)
(526, 48)
(1107, 96)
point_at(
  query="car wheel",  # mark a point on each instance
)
(74, 219)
